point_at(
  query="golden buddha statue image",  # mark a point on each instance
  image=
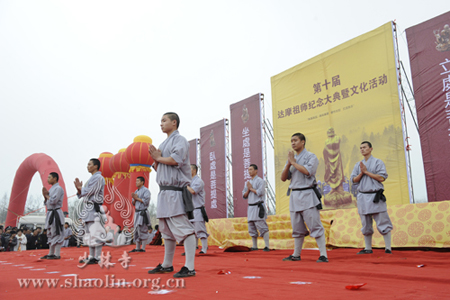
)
(336, 197)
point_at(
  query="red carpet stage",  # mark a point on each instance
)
(252, 275)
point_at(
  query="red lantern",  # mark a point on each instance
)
(121, 209)
(138, 156)
(105, 168)
(139, 159)
(119, 165)
(107, 173)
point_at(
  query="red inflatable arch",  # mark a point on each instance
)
(38, 162)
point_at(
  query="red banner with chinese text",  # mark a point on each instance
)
(429, 52)
(212, 149)
(246, 145)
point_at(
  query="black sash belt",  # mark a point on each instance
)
(316, 191)
(187, 198)
(170, 188)
(143, 213)
(55, 216)
(203, 210)
(379, 195)
(261, 208)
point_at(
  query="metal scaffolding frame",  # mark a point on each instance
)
(267, 132)
(199, 159)
(402, 89)
(229, 192)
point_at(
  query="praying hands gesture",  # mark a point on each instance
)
(364, 171)
(135, 198)
(250, 188)
(249, 185)
(46, 194)
(154, 153)
(291, 158)
(363, 167)
(158, 158)
(78, 185)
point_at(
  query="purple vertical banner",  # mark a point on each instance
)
(429, 52)
(247, 146)
(193, 153)
(213, 151)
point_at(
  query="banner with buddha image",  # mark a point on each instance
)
(338, 99)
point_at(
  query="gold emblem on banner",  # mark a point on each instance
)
(212, 142)
(245, 116)
(442, 38)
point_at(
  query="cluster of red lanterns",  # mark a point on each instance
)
(120, 172)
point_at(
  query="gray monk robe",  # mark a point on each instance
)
(93, 194)
(174, 223)
(303, 200)
(170, 203)
(67, 233)
(55, 218)
(367, 188)
(141, 215)
(256, 202)
(198, 199)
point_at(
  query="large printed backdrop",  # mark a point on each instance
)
(339, 99)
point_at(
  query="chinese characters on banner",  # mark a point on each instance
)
(428, 45)
(246, 145)
(337, 95)
(246, 156)
(446, 90)
(213, 178)
(212, 149)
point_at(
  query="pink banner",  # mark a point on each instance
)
(212, 149)
(246, 145)
(429, 52)
(193, 153)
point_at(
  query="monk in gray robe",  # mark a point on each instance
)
(173, 176)
(254, 191)
(369, 175)
(92, 194)
(67, 234)
(54, 221)
(141, 201)
(197, 189)
(301, 169)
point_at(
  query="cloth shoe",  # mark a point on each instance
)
(322, 259)
(160, 270)
(292, 258)
(365, 251)
(184, 272)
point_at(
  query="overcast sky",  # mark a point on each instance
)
(78, 78)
